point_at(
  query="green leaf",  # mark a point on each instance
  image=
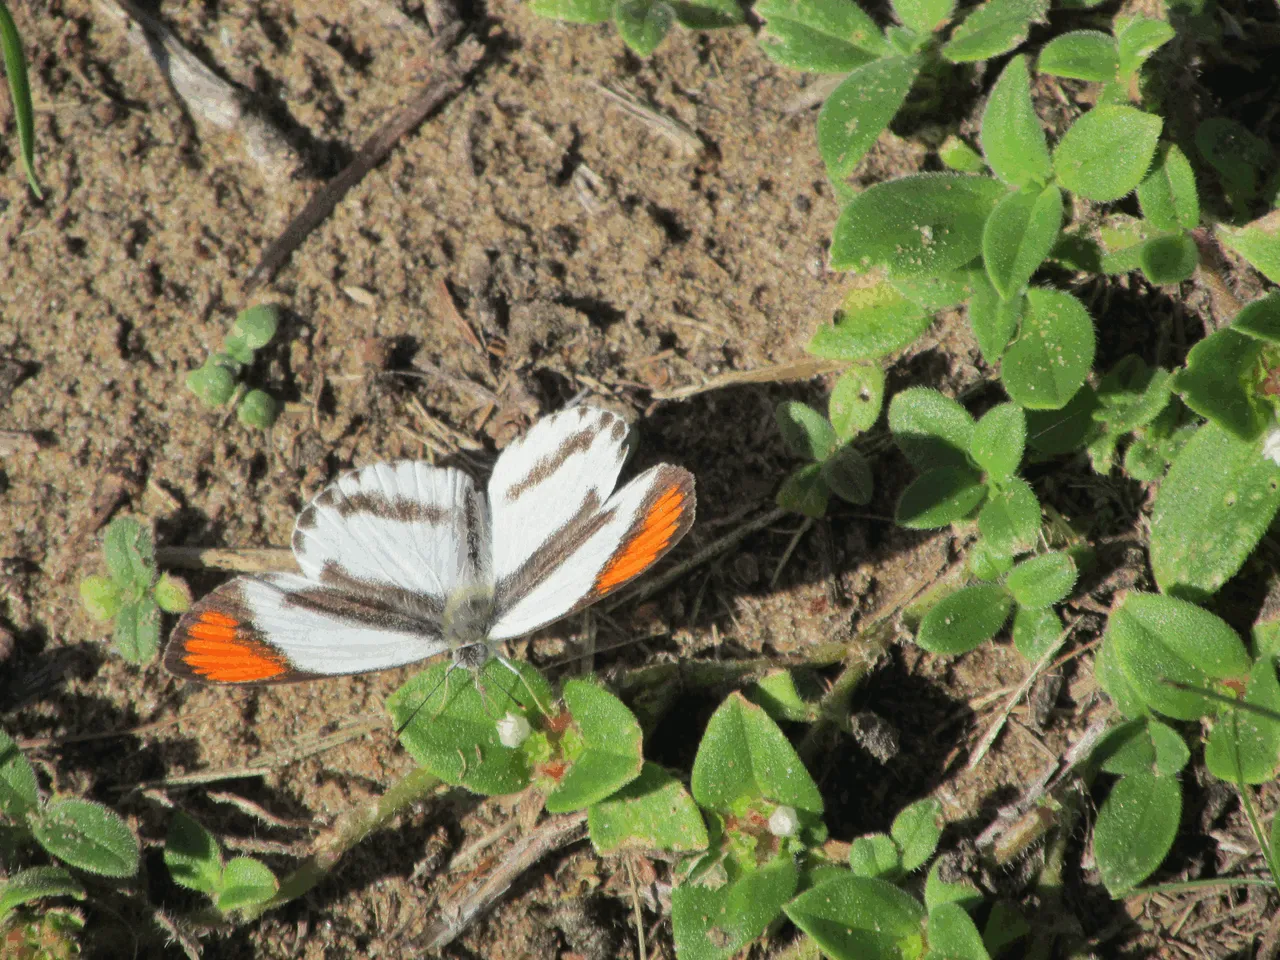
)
(805, 492)
(1053, 354)
(1080, 55)
(137, 632)
(609, 756)
(1036, 631)
(994, 28)
(994, 321)
(1135, 829)
(952, 935)
(917, 830)
(1260, 319)
(23, 886)
(213, 384)
(258, 409)
(1240, 158)
(959, 156)
(1160, 639)
(1010, 519)
(172, 594)
(192, 855)
(130, 556)
(15, 66)
(859, 917)
(708, 14)
(848, 475)
(1142, 746)
(257, 325)
(1139, 39)
(965, 619)
(245, 882)
(1018, 237)
(856, 112)
(1258, 244)
(1132, 395)
(1111, 678)
(1244, 746)
(1169, 259)
(871, 322)
(715, 924)
(876, 855)
(923, 16)
(1217, 501)
(917, 226)
(940, 496)
(805, 431)
(931, 429)
(574, 11)
(87, 835)
(856, 400)
(1213, 382)
(450, 727)
(19, 794)
(1012, 138)
(1053, 433)
(825, 36)
(1042, 581)
(985, 563)
(1122, 238)
(788, 695)
(998, 441)
(948, 290)
(643, 24)
(938, 891)
(238, 349)
(1107, 152)
(651, 813)
(1168, 194)
(101, 597)
(743, 755)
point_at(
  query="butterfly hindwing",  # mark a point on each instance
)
(282, 627)
(600, 553)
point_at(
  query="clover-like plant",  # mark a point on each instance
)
(835, 465)
(133, 594)
(218, 380)
(196, 862)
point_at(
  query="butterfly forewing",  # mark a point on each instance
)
(281, 627)
(598, 554)
(407, 533)
(549, 482)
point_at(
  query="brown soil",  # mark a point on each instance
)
(531, 237)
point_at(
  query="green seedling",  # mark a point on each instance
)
(196, 862)
(218, 381)
(643, 24)
(132, 594)
(835, 466)
(15, 68)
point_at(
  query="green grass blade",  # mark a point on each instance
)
(15, 66)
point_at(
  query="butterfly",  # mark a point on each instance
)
(403, 561)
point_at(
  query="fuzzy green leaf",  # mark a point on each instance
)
(994, 320)
(1012, 138)
(848, 475)
(1168, 194)
(965, 619)
(714, 924)
(1042, 581)
(825, 36)
(1010, 519)
(940, 496)
(1138, 40)
(130, 555)
(654, 812)
(1260, 319)
(1018, 237)
(1053, 354)
(87, 835)
(917, 226)
(930, 428)
(643, 24)
(994, 28)
(1144, 745)
(923, 16)
(15, 67)
(805, 492)
(574, 11)
(875, 855)
(806, 432)
(137, 631)
(917, 829)
(1257, 243)
(1036, 631)
(18, 789)
(1245, 745)
(1080, 55)
(102, 597)
(1169, 259)
(959, 156)
(1135, 829)
(1107, 152)
(609, 756)
(856, 400)
(1213, 383)
(953, 936)
(192, 855)
(870, 322)
(245, 882)
(998, 441)
(23, 886)
(851, 918)
(857, 111)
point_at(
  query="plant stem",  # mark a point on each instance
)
(352, 827)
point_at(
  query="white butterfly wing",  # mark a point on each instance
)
(597, 553)
(557, 474)
(282, 627)
(398, 531)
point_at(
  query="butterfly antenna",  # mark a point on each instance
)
(545, 711)
(444, 681)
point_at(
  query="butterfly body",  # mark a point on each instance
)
(403, 561)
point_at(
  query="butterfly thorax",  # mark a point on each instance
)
(468, 615)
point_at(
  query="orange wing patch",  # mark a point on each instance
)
(648, 543)
(219, 648)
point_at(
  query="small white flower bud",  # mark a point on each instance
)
(783, 822)
(513, 730)
(1271, 445)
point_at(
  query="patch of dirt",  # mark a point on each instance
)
(531, 238)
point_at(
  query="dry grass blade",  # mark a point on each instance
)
(208, 97)
(675, 131)
(779, 372)
(552, 835)
(237, 559)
